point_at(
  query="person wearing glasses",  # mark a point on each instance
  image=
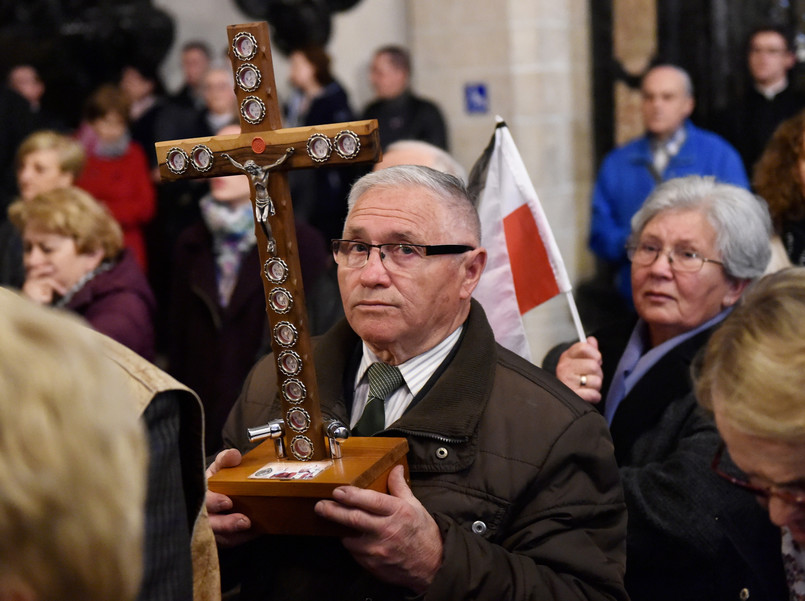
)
(514, 492)
(695, 246)
(751, 378)
(770, 96)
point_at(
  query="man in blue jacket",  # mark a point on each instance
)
(671, 147)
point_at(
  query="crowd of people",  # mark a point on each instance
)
(625, 466)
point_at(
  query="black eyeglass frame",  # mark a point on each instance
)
(761, 491)
(427, 249)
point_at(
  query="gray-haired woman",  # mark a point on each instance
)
(695, 246)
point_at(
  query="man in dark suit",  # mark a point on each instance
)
(769, 99)
(400, 114)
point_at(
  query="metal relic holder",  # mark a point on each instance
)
(264, 152)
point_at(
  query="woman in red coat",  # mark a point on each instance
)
(116, 172)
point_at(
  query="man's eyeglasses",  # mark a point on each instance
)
(355, 254)
(790, 495)
(680, 259)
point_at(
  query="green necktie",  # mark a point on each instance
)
(383, 380)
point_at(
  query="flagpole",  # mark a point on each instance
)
(574, 312)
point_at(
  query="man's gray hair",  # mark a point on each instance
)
(438, 159)
(741, 220)
(444, 186)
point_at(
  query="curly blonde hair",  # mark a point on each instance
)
(777, 176)
(73, 213)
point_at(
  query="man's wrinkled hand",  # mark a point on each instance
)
(396, 539)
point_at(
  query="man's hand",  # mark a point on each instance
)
(396, 539)
(230, 529)
(579, 368)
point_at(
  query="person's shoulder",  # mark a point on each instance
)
(635, 147)
(144, 379)
(373, 108)
(135, 151)
(124, 280)
(424, 104)
(543, 391)
(707, 137)
(335, 90)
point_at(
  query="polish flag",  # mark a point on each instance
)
(524, 268)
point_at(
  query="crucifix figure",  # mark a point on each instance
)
(265, 151)
(263, 207)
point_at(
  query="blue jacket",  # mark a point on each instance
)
(624, 181)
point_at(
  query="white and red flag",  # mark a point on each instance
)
(524, 268)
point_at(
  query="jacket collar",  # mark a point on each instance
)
(452, 402)
(642, 153)
(667, 381)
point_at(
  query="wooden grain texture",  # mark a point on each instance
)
(286, 506)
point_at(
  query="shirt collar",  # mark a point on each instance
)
(639, 340)
(672, 143)
(417, 370)
(769, 92)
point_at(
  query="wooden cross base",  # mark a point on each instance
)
(286, 506)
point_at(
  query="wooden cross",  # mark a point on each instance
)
(264, 152)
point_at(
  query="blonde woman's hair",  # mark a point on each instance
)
(73, 467)
(70, 152)
(73, 213)
(753, 367)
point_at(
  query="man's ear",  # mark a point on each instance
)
(691, 105)
(473, 267)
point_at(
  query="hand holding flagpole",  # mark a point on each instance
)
(525, 267)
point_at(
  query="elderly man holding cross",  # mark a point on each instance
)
(513, 491)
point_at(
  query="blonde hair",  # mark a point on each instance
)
(73, 213)
(70, 152)
(754, 364)
(73, 468)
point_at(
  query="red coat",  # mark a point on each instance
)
(124, 185)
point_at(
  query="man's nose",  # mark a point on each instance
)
(374, 269)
